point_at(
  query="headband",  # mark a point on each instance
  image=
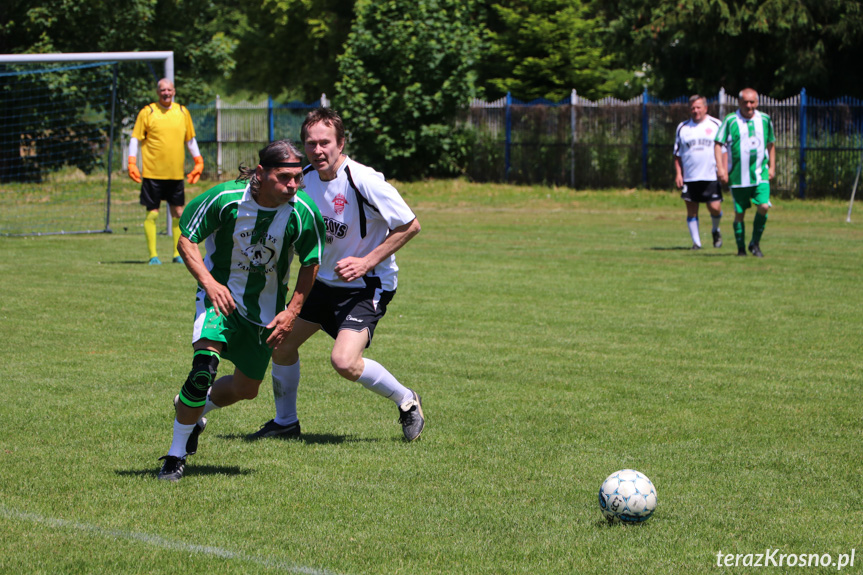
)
(282, 165)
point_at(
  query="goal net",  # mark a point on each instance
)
(55, 140)
(62, 130)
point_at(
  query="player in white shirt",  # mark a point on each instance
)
(367, 221)
(695, 169)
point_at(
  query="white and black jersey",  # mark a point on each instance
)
(359, 209)
(694, 146)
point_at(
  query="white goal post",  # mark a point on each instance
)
(167, 57)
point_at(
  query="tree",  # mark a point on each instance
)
(545, 48)
(291, 46)
(775, 46)
(406, 74)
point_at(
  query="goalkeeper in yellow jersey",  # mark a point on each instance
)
(160, 132)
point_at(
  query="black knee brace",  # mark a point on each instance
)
(204, 367)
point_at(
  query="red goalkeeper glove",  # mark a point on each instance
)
(196, 172)
(133, 169)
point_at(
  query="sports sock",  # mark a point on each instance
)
(175, 231)
(758, 226)
(740, 235)
(209, 406)
(286, 382)
(150, 232)
(693, 230)
(716, 220)
(375, 377)
(181, 436)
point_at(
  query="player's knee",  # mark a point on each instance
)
(204, 368)
(346, 366)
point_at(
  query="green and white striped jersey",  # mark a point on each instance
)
(249, 248)
(746, 141)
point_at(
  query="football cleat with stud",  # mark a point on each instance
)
(695, 247)
(273, 429)
(155, 262)
(741, 251)
(717, 239)
(411, 417)
(756, 250)
(177, 260)
(173, 468)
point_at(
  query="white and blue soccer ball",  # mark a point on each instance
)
(627, 496)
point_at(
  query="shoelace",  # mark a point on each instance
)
(407, 417)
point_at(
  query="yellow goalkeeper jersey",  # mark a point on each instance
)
(163, 133)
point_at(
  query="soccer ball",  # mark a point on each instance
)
(627, 496)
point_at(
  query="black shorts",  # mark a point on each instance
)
(356, 309)
(154, 192)
(702, 192)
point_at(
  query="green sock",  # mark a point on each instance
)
(758, 227)
(740, 235)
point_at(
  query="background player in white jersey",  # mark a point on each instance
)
(748, 136)
(252, 232)
(367, 221)
(695, 169)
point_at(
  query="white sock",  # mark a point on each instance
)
(181, 436)
(693, 230)
(716, 220)
(376, 378)
(209, 406)
(286, 381)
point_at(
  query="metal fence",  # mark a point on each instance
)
(579, 143)
(613, 143)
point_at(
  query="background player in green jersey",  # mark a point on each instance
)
(252, 231)
(748, 136)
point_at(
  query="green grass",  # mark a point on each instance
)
(555, 336)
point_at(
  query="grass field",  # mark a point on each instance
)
(555, 336)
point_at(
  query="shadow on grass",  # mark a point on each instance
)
(190, 470)
(704, 252)
(311, 438)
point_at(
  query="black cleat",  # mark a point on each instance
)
(412, 419)
(273, 429)
(695, 247)
(200, 425)
(717, 239)
(741, 251)
(173, 468)
(756, 251)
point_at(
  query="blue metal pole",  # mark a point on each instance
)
(645, 123)
(802, 184)
(270, 119)
(508, 135)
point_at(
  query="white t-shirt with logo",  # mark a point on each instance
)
(694, 146)
(359, 197)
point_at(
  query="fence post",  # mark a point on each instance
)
(802, 184)
(272, 128)
(644, 137)
(572, 100)
(508, 135)
(218, 137)
(324, 102)
(721, 104)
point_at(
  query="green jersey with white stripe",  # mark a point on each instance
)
(746, 141)
(249, 248)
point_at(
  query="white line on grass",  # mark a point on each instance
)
(157, 541)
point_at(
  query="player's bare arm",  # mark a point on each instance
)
(771, 152)
(352, 268)
(283, 323)
(220, 295)
(678, 172)
(721, 169)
